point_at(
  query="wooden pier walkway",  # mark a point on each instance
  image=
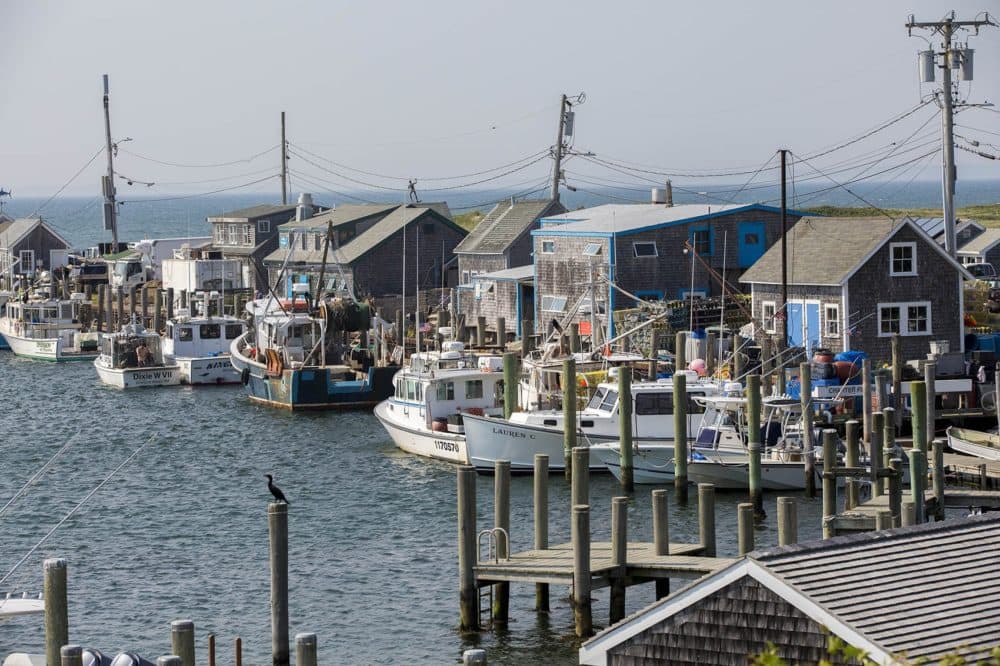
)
(554, 565)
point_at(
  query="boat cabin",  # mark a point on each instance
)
(133, 347)
(197, 338)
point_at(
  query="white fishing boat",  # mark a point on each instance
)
(133, 357)
(526, 433)
(977, 443)
(199, 343)
(435, 397)
(48, 329)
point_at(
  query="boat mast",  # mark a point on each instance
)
(108, 181)
(416, 280)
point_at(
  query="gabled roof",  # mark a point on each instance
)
(342, 214)
(505, 223)
(934, 226)
(828, 250)
(624, 219)
(13, 231)
(982, 243)
(262, 210)
(925, 591)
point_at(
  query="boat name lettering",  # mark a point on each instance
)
(157, 374)
(216, 364)
(512, 433)
(445, 446)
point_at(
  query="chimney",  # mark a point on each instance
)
(659, 196)
(304, 210)
(670, 193)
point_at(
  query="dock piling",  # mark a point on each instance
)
(120, 317)
(805, 399)
(541, 487)
(938, 478)
(829, 481)
(144, 306)
(918, 480)
(501, 520)
(619, 555)
(468, 596)
(852, 460)
(480, 331)
(170, 303)
(710, 356)
(918, 413)
(625, 428)
(706, 517)
(158, 310)
(930, 376)
(866, 402)
(661, 536)
(54, 591)
(680, 352)
(501, 333)
(680, 437)
(238, 652)
(897, 379)
(581, 571)
(875, 453)
(883, 520)
(569, 414)
(509, 383)
(305, 650)
(211, 650)
(755, 445)
(574, 338)
(888, 438)
(182, 641)
(744, 521)
(527, 336)
(99, 319)
(766, 365)
(169, 660)
(909, 513)
(788, 521)
(71, 655)
(277, 528)
(896, 491)
(580, 484)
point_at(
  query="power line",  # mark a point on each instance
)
(244, 160)
(200, 194)
(68, 182)
(324, 187)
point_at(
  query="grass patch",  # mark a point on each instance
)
(468, 221)
(988, 215)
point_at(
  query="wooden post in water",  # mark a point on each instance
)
(883, 520)
(619, 555)
(805, 399)
(158, 310)
(897, 378)
(170, 303)
(501, 520)
(71, 655)
(501, 333)
(581, 571)
(829, 481)
(580, 484)
(480, 331)
(788, 521)
(706, 517)
(909, 513)
(755, 445)
(866, 402)
(211, 650)
(277, 529)
(882, 379)
(54, 592)
(468, 595)
(509, 383)
(569, 414)
(541, 488)
(918, 414)
(527, 336)
(938, 478)
(680, 351)
(625, 427)
(888, 438)
(744, 521)
(661, 536)
(930, 417)
(574, 338)
(238, 651)
(305, 650)
(182, 641)
(875, 452)
(896, 491)
(918, 481)
(852, 460)
(680, 437)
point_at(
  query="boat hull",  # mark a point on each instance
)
(447, 446)
(959, 439)
(490, 439)
(736, 475)
(207, 370)
(125, 378)
(45, 349)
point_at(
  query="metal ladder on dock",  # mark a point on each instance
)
(486, 592)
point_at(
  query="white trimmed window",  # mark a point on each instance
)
(592, 249)
(219, 233)
(904, 318)
(27, 263)
(263, 226)
(902, 258)
(234, 234)
(767, 310)
(644, 249)
(831, 320)
(548, 247)
(246, 234)
(553, 303)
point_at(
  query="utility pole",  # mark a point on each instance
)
(952, 57)
(108, 181)
(284, 163)
(565, 129)
(783, 329)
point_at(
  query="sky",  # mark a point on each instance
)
(452, 88)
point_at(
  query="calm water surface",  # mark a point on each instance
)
(181, 532)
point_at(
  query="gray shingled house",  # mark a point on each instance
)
(249, 235)
(854, 282)
(490, 258)
(907, 595)
(640, 247)
(29, 245)
(984, 248)
(965, 230)
(368, 253)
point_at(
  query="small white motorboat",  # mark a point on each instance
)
(977, 443)
(133, 357)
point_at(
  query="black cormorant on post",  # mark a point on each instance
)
(275, 490)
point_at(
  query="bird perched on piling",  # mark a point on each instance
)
(275, 490)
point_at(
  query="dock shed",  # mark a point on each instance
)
(855, 282)
(919, 593)
(641, 249)
(509, 293)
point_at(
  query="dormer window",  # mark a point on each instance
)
(902, 259)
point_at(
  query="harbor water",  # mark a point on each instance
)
(181, 531)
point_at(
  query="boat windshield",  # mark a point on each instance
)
(595, 402)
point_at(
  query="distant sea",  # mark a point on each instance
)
(79, 218)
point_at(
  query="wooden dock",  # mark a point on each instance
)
(554, 565)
